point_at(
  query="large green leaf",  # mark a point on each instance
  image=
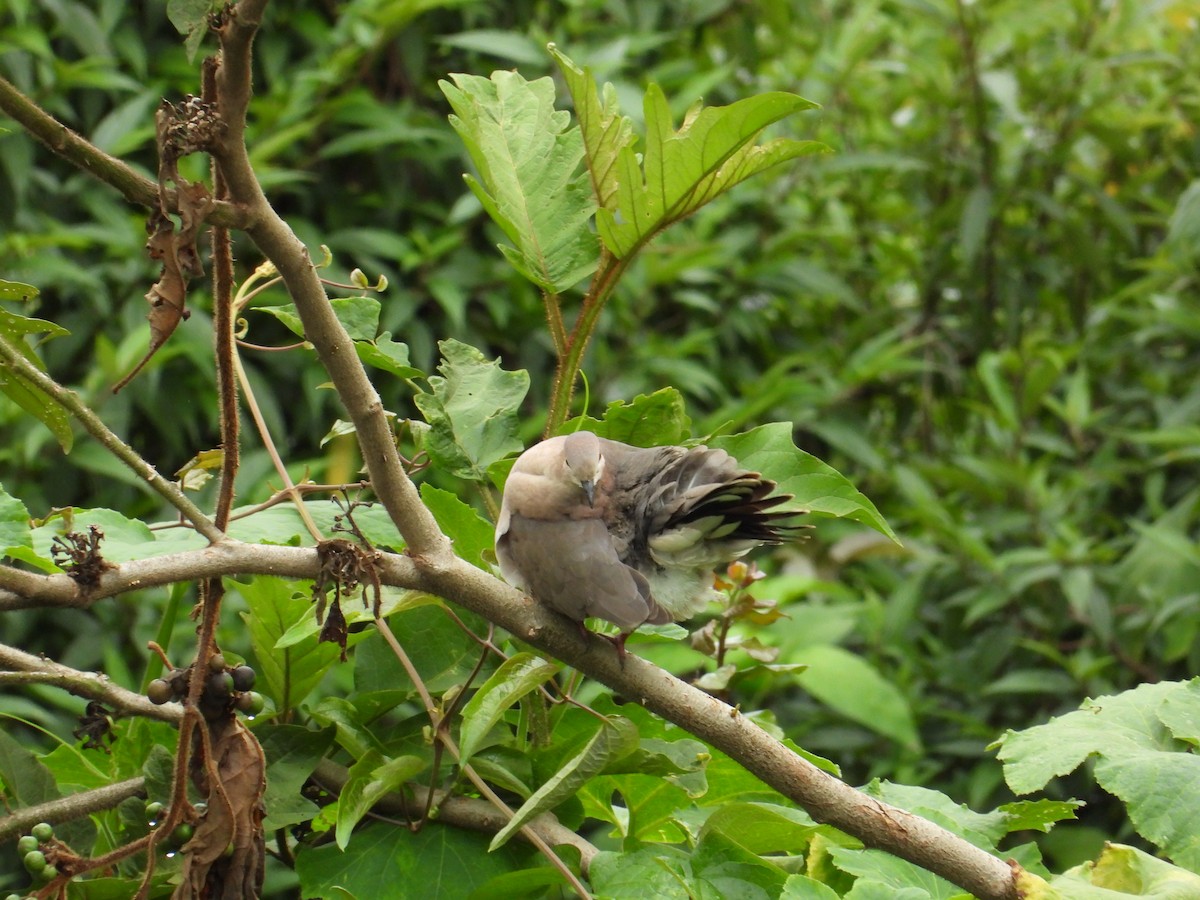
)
(605, 131)
(678, 172)
(290, 672)
(472, 534)
(14, 524)
(292, 752)
(1123, 872)
(472, 411)
(383, 861)
(528, 158)
(1143, 741)
(648, 420)
(814, 485)
(22, 391)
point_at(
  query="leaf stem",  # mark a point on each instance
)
(607, 275)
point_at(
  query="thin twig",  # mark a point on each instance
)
(92, 423)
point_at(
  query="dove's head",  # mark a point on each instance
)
(583, 462)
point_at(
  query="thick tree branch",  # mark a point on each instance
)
(64, 809)
(60, 139)
(334, 347)
(21, 590)
(31, 669)
(826, 798)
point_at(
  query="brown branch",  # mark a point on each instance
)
(20, 589)
(75, 806)
(64, 142)
(825, 797)
(25, 668)
(333, 345)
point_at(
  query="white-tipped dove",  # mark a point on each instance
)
(593, 527)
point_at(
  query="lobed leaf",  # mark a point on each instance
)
(528, 159)
(680, 171)
(472, 411)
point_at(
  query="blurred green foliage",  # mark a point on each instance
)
(980, 307)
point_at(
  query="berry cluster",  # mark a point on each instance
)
(33, 849)
(226, 688)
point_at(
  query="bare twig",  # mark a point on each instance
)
(70, 401)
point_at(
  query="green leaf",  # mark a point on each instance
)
(1027, 815)
(358, 315)
(659, 871)
(814, 485)
(680, 171)
(21, 391)
(391, 356)
(472, 534)
(442, 654)
(15, 290)
(605, 131)
(292, 752)
(648, 420)
(385, 861)
(472, 411)
(515, 677)
(14, 524)
(801, 887)
(370, 779)
(124, 539)
(1123, 872)
(532, 185)
(898, 875)
(1138, 758)
(762, 828)
(854, 688)
(616, 738)
(25, 778)
(290, 672)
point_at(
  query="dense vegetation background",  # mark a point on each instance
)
(980, 307)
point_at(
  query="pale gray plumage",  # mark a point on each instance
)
(593, 527)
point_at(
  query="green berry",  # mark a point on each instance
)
(49, 873)
(153, 811)
(181, 835)
(216, 662)
(251, 703)
(35, 862)
(26, 843)
(43, 831)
